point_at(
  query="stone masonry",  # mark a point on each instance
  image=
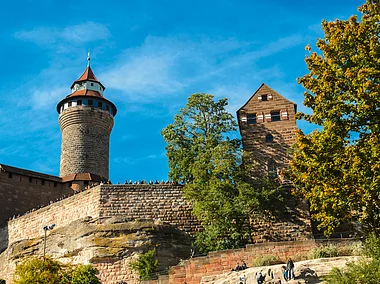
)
(85, 141)
(267, 126)
(160, 202)
(23, 190)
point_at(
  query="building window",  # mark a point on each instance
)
(275, 115)
(269, 138)
(90, 102)
(42, 182)
(251, 118)
(79, 102)
(100, 104)
(264, 98)
(107, 107)
(272, 169)
(69, 104)
(55, 184)
(30, 179)
(10, 175)
(92, 84)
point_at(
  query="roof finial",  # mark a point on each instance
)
(88, 58)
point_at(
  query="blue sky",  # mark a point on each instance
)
(151, 56)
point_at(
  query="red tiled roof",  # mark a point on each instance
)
(83, 176)
(89, 75)
(85, 92)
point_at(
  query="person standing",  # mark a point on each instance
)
(290, 269)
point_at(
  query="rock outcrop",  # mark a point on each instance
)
(114, 242)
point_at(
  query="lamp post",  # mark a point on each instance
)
(47, 228)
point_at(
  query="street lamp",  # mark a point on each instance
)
(47, 228)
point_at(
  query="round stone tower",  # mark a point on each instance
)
(86, 121)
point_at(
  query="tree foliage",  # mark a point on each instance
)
(203, 154)
(337, 167)
(49, 271)
(146, 264)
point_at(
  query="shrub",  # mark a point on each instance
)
(2, 281)
(266, 260)
(365, 271)
(49, 271)
(146, 264)
(323, 251)
(84, 274)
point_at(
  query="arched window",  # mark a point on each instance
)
(272, 169)
(269, 138)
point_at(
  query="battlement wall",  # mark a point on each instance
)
(143, 201)
(60, 213)
(164, 202)
(20, 193)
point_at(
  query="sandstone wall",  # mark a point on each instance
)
(3, 238)
(223, 261)
(85, 141)
(156, 201)
(60, 213)
(20, 193)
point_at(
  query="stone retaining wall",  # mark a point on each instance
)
(60, 213)
(156, 201)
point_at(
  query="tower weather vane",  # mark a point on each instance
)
(88, 58)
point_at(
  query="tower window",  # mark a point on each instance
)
(100, 104)
(269, 138)
(92, 84)
(79, 102)
(275, 115)
(251, 118)
(70, 104)
(272, 169)
(107, 107)
(90, 102)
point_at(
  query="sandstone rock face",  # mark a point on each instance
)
(110, 246)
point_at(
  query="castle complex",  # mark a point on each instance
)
(267, 126)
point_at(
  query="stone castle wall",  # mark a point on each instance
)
(60, 213)
(85, 141)
(20, 193)
(164, 202)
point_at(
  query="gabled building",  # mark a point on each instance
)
(267, 126)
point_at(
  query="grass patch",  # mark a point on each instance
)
(266, 260)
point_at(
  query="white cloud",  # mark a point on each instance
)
(75, 34)
(48, 97)
(165, 66)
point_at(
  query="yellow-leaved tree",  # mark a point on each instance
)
(337, 167)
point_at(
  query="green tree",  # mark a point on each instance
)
(337, 167)
(49, 271)
(203, 155)
(84, 274)
(146, 264)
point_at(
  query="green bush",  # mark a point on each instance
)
(84, 274)
(146, 264)
(323, 251)
(365, 271)
(49, 271)
(2, 281)
(266, 260)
